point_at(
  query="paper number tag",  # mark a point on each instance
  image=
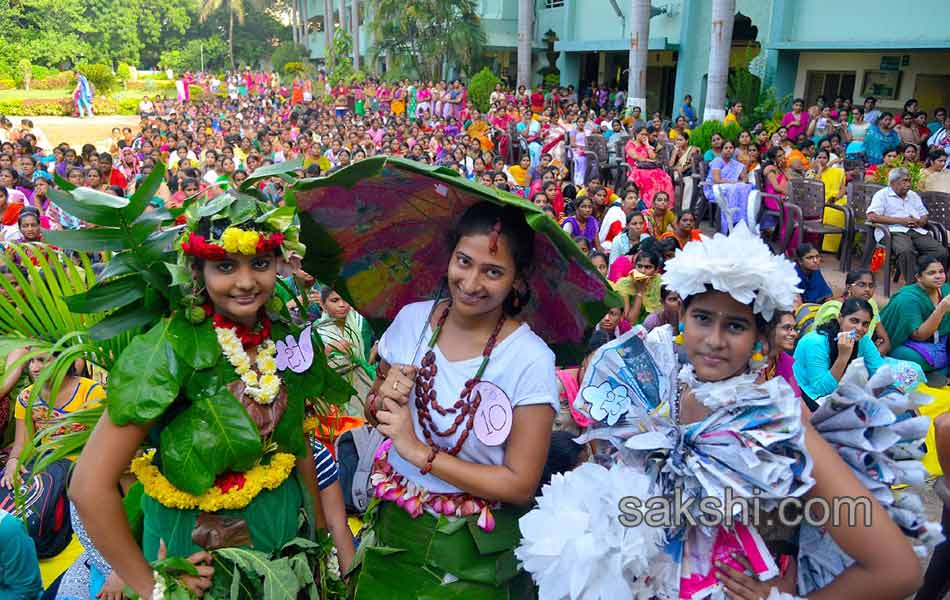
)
(494, 415)
(296, 355)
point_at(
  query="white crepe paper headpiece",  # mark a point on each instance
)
(740, 265)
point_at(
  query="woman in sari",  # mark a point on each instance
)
(916, 318)
(399, 100)
(424, 97)
(724, 186)
(554, 136)
(835, 187)
(342, 330)
(452, 106)
(681, 162)
(776, 182)
(579, 145)
(384, 98)
(499, 121)
(479, 130)
(644, 171)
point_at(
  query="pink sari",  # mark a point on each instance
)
(648, 181)
(770, 222)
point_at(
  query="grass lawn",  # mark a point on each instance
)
(63, 93)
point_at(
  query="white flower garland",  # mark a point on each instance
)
(158, 590)
(262, 388)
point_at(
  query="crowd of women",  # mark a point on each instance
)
(707, 332)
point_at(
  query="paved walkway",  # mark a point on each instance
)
(51, 131)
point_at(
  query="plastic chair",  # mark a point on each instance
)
(807, 206)
(779, 214)
(938, 207)
(859, 198)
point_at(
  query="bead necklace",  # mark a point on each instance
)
(463, 408)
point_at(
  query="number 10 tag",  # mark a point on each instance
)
(494, 415)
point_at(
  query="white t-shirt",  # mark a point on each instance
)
(521, 365)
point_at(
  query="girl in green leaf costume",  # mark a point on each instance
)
(216, 392)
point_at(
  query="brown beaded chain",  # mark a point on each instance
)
(465, 406)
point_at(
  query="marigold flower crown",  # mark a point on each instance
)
(237, 223)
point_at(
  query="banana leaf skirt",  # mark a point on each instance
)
(429, 558)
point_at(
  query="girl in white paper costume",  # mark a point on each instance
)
(705, 432)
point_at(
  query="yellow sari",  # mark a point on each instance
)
(479, 130)
(834, 180)
(518, 174)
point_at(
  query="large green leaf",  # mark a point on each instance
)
(144, 193)
(215, 206)
(125, 319)
(75, 204)
(197, 345)
(283, 170)
(280, 583)
(213, 435)
(108, 295)
(87, 240)
(146, 378)
(120, 264)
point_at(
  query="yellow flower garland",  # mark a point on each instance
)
(257, 479)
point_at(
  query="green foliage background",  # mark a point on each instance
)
(481, 86)
(59, 34)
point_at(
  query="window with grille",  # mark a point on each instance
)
(828, 84)
(553, 3)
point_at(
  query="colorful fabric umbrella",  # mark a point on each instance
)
(376, 231)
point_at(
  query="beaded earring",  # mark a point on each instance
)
(679, 337)
(757, 361)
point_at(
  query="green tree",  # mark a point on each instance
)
(424, 35)
(235, 10)
(287, 52)
(341, 57)
(481, 87)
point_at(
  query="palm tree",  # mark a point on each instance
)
(639, 48)
(525, 27)
(327, 31)
(424, 35)
(355, 33)
(235, 9)
(720, 45)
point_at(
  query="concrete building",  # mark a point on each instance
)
(806, 48)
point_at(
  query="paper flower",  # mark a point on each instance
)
(607, 402)
(740, 265)
(574, 544)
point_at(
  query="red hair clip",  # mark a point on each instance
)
(495, 232)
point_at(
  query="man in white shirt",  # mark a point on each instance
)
(904, 214)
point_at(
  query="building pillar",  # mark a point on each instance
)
(571, 71)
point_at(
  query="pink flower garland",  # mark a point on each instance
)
(390, 486)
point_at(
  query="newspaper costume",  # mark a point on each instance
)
(752, 443)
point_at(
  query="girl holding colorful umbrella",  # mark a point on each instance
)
(468, 418)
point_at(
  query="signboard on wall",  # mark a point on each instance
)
(890, 63)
